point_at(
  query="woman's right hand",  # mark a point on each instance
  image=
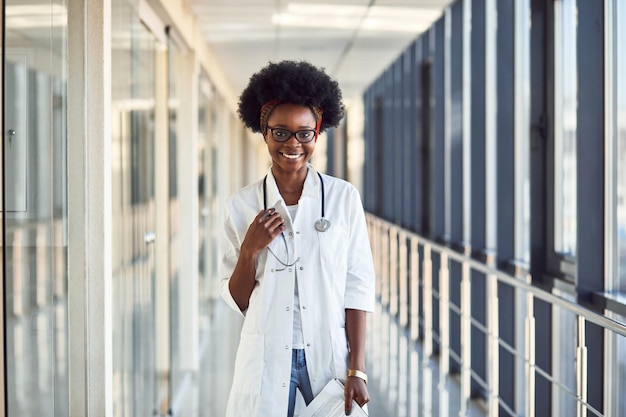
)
(266, 226)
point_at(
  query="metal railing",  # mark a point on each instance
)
(406, 275)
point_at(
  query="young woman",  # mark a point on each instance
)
(296, 260)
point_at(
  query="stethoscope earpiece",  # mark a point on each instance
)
(322, 224)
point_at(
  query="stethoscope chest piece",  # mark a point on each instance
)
(322, 225)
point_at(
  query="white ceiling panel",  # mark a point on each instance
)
(354, 40)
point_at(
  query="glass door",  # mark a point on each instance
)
(34, 209)
(134, 50)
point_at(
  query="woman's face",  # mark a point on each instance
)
(290, 156)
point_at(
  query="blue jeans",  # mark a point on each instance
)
(299, 379)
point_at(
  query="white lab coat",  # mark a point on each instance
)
(335, 272)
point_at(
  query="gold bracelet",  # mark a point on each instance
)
(358, 374)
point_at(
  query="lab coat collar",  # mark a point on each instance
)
(311, 187)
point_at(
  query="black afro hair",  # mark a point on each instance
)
(293, 82)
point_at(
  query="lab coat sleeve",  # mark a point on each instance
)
(360, 280)
(229, 254)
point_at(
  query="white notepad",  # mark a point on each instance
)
(330, 403)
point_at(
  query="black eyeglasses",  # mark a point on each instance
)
(283, 135)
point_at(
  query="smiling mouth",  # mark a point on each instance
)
(292, 156)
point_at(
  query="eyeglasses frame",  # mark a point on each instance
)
(292, 134)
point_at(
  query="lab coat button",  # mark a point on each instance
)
(301, 268)
(286, 346)
(308, 344)
(304, 307)
(287, 308)
(290, 270)
(290, 233)
(284, 384)
(298, 232)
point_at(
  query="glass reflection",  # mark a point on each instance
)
(618, 377)
(35, 210)
(177, 373)
(620, 72)
(564, 348)
(404, 382)
(616, 369)
(565, 127)
(132, 133)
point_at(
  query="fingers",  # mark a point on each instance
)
(349, 408)
(262, 231)
(266, 226)
(356, 390)
(272, 221)
(265, 214)
(349, 398)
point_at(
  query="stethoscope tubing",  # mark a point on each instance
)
(324, 224)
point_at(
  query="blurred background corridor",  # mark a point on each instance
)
(487, 139)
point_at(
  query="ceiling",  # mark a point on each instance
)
(354, 40)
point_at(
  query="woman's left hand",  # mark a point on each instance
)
(355, 389)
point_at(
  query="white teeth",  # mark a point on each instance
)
(290, 156)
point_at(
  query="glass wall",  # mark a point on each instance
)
(522, 130)
(619, 70)
(616, 371)
(213, 189)
(133, 53)
(616, 358)
(565, 107)
(532, 80)
(34, 211)
(564, 348)
(206, 263)
(173, 104)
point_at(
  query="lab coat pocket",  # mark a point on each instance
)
(334, 245)
(340, 352)
(249, 364)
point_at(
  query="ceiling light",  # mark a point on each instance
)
(375, 18)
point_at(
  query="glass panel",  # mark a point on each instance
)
(620, 94)
(34, 267)
(522, 131)
(617, 344)
(563, 369)
(565, 79)
(616, 370)
(132, 114)
(204, 266)
(215, 130)
(177, 373)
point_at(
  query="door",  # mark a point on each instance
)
(134, 51)
(34, 209)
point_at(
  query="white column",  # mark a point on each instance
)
(187, 154)
(89, 204)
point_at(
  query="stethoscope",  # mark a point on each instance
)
(322, 224)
